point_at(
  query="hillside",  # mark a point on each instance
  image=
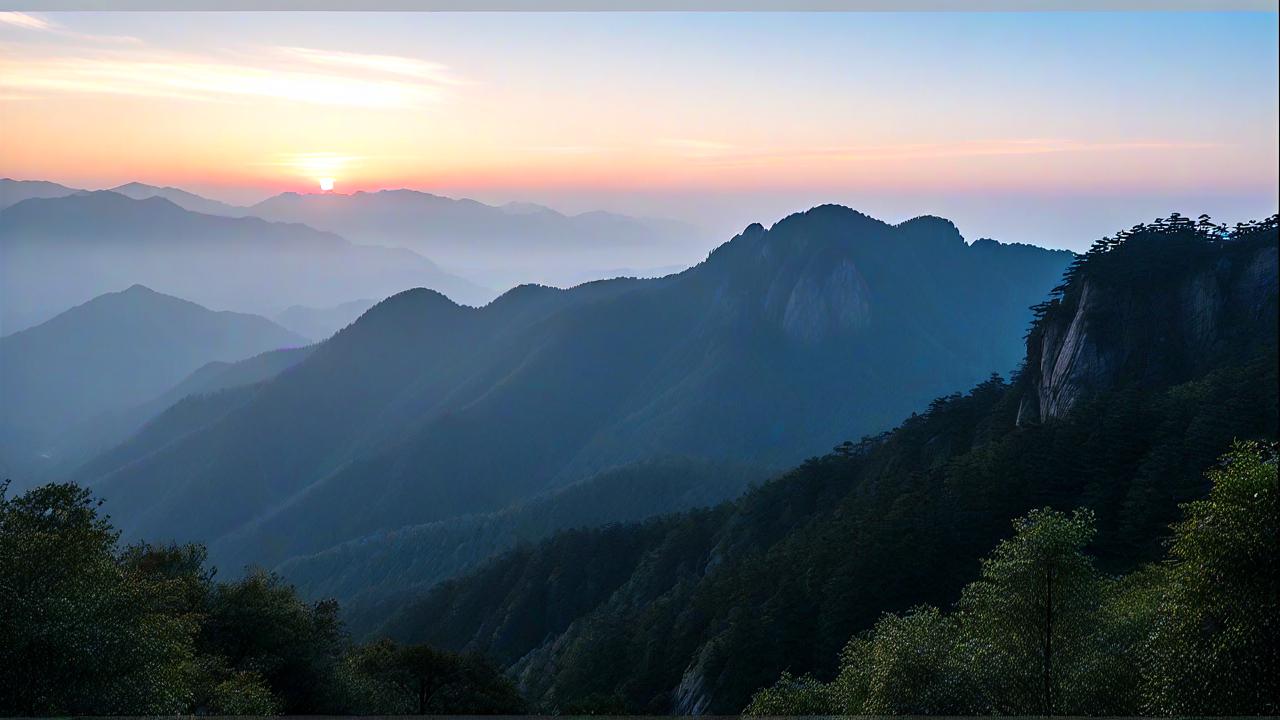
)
(113, 353)
(736, 359)
(381, 570)
(692, 613)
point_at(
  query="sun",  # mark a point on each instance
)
(326, 184)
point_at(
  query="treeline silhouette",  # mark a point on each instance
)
(90, 628)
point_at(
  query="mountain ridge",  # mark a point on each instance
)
(693, 612)
(109, 354)
(378, 419)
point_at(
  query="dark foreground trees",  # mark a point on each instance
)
(1043, 632)
(88, 628)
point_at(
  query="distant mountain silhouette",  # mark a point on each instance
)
(179, 197)
(13, 192)
(499, 246)
(109, 355)
(320, 323)
(783, 342)
(61, 251)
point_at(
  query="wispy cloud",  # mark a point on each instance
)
(27, 21)
(147, 73)
(23, 20)
(387, 64)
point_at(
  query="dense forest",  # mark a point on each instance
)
(1044, 631)
(695, 612)
(88, 627)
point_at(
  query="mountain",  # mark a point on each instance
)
(1157, 352)
(381, 570)
(13, 192)
(320, 323)
(102, 434)
(736, 359)
(499, 246)
(108, 355)
(58, 252)
(179, 197)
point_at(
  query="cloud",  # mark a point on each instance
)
(23, 20)
(31, 22)
(387, 64)
(358, 81)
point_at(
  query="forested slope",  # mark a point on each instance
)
(694, 612)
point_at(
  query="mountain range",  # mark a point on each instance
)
(494, 246)
(498, 246)
(320, 323)
(58, 252)
(736, 359)
(1154, 355)
(108, 357)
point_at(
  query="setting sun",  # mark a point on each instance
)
(326, 184)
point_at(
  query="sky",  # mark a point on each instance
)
(1048, 128)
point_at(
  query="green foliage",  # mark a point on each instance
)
(1041, 632)
(243, 692)
(1215, 645)
(259, 625)
(1031, 614)
(79, 633)
(88, 629)
(906, 665)
(793, 696)
(417, 679)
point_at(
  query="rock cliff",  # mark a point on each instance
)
(1198, 298)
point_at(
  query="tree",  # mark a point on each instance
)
(79, 633)
(1031, 614)
(914, 666)
(791, 697)
(1215, 641)
(399, 679)
(259, 624)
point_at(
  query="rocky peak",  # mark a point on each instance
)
(1154, 307)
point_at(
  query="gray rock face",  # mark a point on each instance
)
(1072, 361)
(691, 696)
(835, 302)
(1110, 332)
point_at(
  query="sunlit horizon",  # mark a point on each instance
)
(1009, 124)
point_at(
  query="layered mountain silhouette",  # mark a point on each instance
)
(783, 342)
(181, 198)
(108, 356)
(1146, 364)
(13, 192)
(58, 252)
(320, 323)
(497, 245)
